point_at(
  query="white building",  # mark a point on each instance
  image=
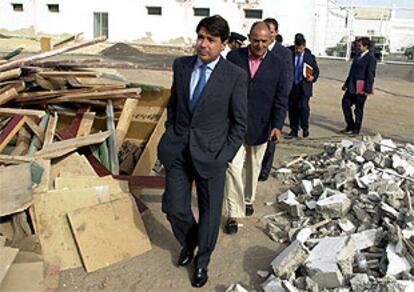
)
(173, 22)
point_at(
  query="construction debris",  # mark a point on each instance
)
(356, 229)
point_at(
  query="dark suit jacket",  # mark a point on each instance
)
(309, 58)
(362, 69)
(286, 55)
(267, 96)
(214, 131)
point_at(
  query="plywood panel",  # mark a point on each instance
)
(108, 233)
(53, 229)
(75, 183)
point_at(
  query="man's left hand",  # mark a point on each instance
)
(310, 78)
(275, 135)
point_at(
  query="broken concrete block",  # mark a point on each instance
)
(398, 162)
(335, 206)
(389, 211)
(289, 286)
(323, 264)
(236, 288)
(346, 143)
(387, 145)
(359, 283)
(396, 264)
(311, 285)
(262, 274)
(304, 234)
(365, 239)
(307, 187)
(272, 284)
(286, 263)
(346, 225)
(340, 179)
(311, 204)
(296, 210)
(287, 197)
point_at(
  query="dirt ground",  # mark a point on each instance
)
(237, 258)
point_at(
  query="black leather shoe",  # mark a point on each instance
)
(305, 134)
(345, 131)
(249, 210)
(231, 226)
(292, 135)
(263, 177)
(200, 278)
(186, 256)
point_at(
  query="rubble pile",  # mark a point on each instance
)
(347, 218)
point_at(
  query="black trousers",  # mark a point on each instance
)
(299, 109)
(176, 203)
(347, 102)
(268, 158)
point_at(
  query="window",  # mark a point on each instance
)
(154, 10)
(100, 24)
(17, 7)
(253, 13)
(54, 8)
(201, 11)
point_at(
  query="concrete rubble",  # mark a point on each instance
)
(347, 219)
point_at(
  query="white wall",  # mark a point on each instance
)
(128, 19)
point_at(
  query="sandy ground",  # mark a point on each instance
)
(238, 257)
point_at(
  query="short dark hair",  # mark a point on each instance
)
(216, 25)
(273, 22)
(300, 40)
(279, 38)
(364, 41)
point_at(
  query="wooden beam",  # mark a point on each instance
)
(113, 149)
(10, 74)
(35, 129)
(36, 144)
(63, 147)
(49, 74)
(50, 130)
(11, 91)
(86, 124)
(5, 111)
(15, 159)
(23, 141)
(28, 60)
(124, 121)
(10, 131)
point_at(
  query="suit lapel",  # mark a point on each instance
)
(262, 65)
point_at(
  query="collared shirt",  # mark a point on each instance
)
(363, 54)
(270, 47)
(254, 63)
(195, 75)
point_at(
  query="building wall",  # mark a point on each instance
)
(128, 19)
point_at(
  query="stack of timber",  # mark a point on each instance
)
(77, 145)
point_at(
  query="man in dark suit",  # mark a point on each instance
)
(267, 105)
(276, 48)
(206, 123)
(358, 86)
(302, 89)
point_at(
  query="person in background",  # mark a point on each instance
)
(306, 73)
(234, 41)
(276, 48)
(206, 124)
(266, 106)
(358, 85)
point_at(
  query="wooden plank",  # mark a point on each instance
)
(66, 40)
(10, 74)
(71, 131)
(36, 143)
(15, 196)
(23, 61)
(7, 255)
(48, 74)
(113, 149)
(8, 95)
(23, 112)
(149, 155)
(35, 129)
(62, 147)
(71, 165)
(45, 44)
(109, 233)
(26, 276)
(10, 131)
(125, 119)
(22, 143)
(15, 159)
(51, 129)
(86, 124)
(53, 228)
(81, 182)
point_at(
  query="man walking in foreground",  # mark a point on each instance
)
(206, 123)
(358, 85)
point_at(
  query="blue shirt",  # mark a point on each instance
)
(195, 75)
